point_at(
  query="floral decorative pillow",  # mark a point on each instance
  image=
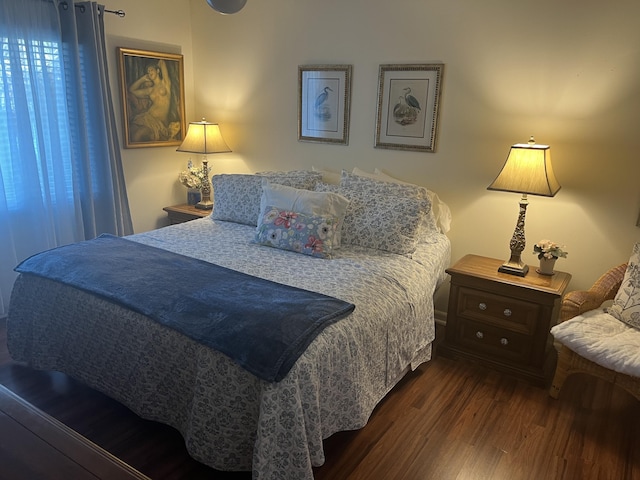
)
(305, 201)
(626, 304)
(297, 232)
(236, 197)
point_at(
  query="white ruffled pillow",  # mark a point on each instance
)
(328, 176)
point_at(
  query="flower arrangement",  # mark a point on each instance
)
(548, 249)
(192, 177)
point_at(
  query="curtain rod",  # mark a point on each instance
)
(119, 13)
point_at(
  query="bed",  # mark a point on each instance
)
(231, 419)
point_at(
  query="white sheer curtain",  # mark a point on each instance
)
(61, 177)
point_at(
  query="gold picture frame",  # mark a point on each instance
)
(324, 100)
(408, 106)
(152, 92)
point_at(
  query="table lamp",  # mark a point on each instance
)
(204, 138)
(526, 171)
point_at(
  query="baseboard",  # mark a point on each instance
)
(440, 317)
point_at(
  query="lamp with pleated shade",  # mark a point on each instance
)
(204, 138)
(528, 171)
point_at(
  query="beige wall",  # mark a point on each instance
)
(151, 173)
(567, 72)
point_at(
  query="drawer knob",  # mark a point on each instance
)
(504, 341)
(507, 312)
(482, 306)
(479, 334)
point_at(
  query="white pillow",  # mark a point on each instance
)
(306, 202)
(328, 176)
(363, 173)
(626, 304)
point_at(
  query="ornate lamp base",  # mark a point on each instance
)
(514, 268)
(206, 203)
(515, 265)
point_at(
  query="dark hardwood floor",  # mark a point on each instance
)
(447, 420)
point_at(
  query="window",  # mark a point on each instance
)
(32, 80)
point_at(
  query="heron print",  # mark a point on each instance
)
(322, 108)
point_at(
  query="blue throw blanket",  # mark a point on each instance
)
(261, 325)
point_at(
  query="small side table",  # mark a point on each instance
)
(502, 320)
(184, 213)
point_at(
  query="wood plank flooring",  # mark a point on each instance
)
(28, 433)
(447, 420)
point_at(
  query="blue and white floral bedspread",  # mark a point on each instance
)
(230, 419)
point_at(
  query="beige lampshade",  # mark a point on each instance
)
(527, 170)
(203, 137)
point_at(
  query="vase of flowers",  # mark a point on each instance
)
(548, 252)
(193, 178)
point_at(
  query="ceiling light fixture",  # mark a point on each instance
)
(227, 7)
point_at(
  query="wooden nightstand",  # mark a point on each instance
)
(185, 213)
(503, 320)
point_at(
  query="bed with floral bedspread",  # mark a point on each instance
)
(230, 419)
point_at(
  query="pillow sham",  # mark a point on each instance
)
(440, 217)
(440, 210)
(385, 222)
(297, 232)
(307, 178)
(236, 197)
(305, 201)
(626, 304)
(373, 186)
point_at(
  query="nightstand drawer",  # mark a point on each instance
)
(497, 310)
(497, 342)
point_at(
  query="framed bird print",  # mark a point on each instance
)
(324, 100)
(408, 106)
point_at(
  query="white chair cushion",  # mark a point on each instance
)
(603, 339)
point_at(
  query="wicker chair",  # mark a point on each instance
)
(569, 362)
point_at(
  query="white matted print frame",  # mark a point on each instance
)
(324, 100)
(408, 106)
